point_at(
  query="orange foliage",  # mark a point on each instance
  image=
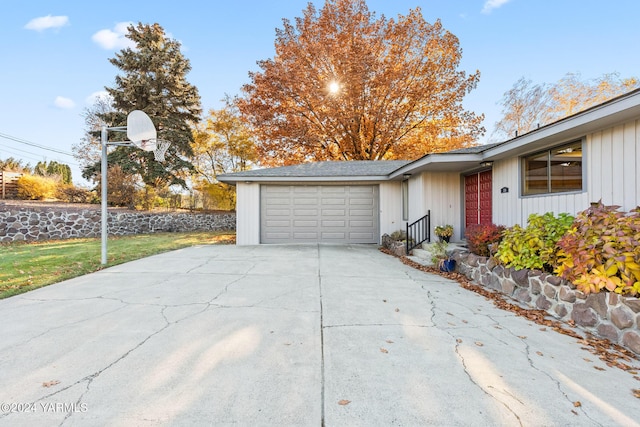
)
(346, 85)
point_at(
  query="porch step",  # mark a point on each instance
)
(421, 256)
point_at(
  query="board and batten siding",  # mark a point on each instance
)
(391, 207)
(612, 162)
(610, 173)
(247, 213)
(438, 192)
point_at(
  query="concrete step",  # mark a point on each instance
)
(421, 253)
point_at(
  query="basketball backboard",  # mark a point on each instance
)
(141, 131)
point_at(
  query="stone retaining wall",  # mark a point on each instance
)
(607, 315)
(38, 223)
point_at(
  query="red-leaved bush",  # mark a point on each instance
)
(480, 236)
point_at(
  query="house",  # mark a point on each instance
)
(561, 167)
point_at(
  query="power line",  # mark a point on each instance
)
(33, 144)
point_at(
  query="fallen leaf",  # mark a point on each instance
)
(522, 337)
(397, 310)
(344, 402)
(574, 412)
(636, 392)
(539, 353)
(633, 372)
(389, 342)
(598, 368)
(587, 360)
(458, 340)
(543, 329)
(383, 350)
(464, 321)
(479, 344)
(577, 404)
(497, 327)
(50, 383)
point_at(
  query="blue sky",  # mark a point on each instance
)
(54, 54)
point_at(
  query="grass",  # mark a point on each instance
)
(25, 266)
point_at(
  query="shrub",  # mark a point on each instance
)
(534, 246)
(32, 187)
(480, 236)
(601, 251)
(72, 194)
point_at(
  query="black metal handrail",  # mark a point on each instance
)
(419, 232)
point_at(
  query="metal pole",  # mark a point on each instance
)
(103, 170)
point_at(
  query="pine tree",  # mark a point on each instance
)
(153, 79)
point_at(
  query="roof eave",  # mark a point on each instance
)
(298, 179)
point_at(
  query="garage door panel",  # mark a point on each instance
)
(332, 235)
(275, 213)
(333, 201)
(305, 223)
(333, 223)
(322, 213)
(305, 212)
(305, 235)
(334, 212)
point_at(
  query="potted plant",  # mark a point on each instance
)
(444, 232)
(440, 258)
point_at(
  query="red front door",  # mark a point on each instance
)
(477, 198)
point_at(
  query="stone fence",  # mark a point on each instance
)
(605, 314)
(43, 223)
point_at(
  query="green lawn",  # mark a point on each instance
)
(29, 265)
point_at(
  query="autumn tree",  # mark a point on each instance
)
(88, 151)
(527, 106)
(222, 145)
(14, 165)
(153, 79)
(347, 85)
(524, 107)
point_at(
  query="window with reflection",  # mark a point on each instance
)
(554, 171)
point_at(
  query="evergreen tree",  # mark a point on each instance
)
(153, 79)
(53, 169)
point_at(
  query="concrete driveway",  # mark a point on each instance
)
(304, 335)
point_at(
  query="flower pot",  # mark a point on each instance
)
(444, 238)
(448, 265)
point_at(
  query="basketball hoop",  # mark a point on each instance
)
(146, 144)
(161, 148)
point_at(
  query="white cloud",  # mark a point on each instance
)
(113, 39)
(64, 103)
(102, 94)
(489, 5)
(46, 22)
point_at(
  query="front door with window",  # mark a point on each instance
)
(477, 198)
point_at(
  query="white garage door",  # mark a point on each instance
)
(319, 213)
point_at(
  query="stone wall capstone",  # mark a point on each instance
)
(39, 223)
(607, 315)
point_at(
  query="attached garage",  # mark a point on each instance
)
(340, 202)
(319, 213)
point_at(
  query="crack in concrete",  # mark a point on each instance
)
(558, 384)
(90, 378)
(350, 325)
(466, 371)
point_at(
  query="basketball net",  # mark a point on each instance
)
(161, 148)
